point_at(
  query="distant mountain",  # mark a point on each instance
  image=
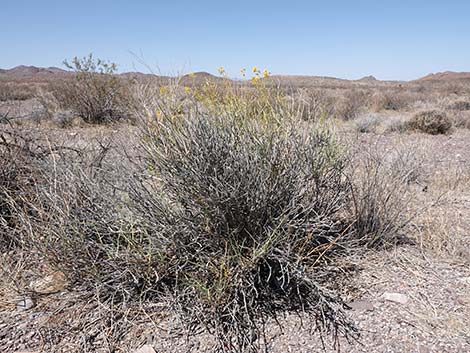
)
(23, 70)
(198, 77)
(325, 81)
(445, 76)
(368, 79)
(56, 70)
(46, 73)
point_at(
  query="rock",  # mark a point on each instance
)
(395, 297)
(25, 303)
(145, 349)
(463, 299)
(52, 283)
(361, 305)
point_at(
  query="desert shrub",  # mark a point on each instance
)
(461, 119)
(381, 193)
(13, 91)
(246, 208)
(20, 171)
(397, 125)
(312, 105)
(387, 101)
(430, 122)
(460, 105)
(246, 212)
(349, 105)
(96, 94)
(230, 221)
(367, 123)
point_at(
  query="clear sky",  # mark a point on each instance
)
(391, 39)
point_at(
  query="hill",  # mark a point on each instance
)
(445, 76)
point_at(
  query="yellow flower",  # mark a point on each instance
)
(187, 89)
(221, 70)
(254, 79)
(158, 112)
(162, 89)
(191, 74)
(265, 73)
(255, 69)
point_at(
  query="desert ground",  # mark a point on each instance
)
(101, 253)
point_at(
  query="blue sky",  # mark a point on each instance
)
(390, 39)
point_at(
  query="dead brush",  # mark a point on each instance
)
(16, 91)
(20, 160)
(388, 100)
(430, 122)
(383, 182)
(312, 105)
(349, 105)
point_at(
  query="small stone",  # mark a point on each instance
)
(24, 304)
(463, 299)
(53, 283)
(145, 349)
(395, 297)
(361, 305)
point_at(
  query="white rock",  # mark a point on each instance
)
(361, 305)
(145, 349)
(25, 303)
(395, 297)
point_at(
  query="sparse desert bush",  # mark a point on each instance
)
(381, 191)
(349, 105)
(460, 105)
(387, 101)
(397, 124)
(313, 105)
(461, 119)
(14, 91)
(20, 159)
(96, 94)
(367, 123)
(430, 122)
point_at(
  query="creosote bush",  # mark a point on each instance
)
(430, 122)
(96, 94)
